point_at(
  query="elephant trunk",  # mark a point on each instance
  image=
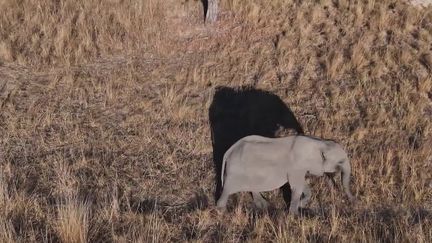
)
(345, 176)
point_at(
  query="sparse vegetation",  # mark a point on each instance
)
(104, 131)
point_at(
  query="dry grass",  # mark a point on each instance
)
(104, 133)
(72, 225)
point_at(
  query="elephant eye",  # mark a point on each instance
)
(341, 162)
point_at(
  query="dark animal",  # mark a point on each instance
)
(240, 112)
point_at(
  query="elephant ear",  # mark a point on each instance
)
(324, 160)
(328, 145)
(323, 156)
(317, 168)
(324, 149)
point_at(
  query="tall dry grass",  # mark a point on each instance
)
(72, 32)
(104, 132)
(6, 230)
(72, 224)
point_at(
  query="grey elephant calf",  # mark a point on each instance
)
(258, 164)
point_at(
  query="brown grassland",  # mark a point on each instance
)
(104, 132)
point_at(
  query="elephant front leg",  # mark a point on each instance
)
(295, 199)
(307, 196)
(259, 201)
(297, 183)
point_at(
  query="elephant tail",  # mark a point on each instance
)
(223, 168)
(225, 158)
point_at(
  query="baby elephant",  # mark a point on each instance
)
(257, 164)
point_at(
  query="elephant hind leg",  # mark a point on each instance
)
(222, 201)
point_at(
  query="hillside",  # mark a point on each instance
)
(104, 130)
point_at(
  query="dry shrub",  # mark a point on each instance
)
(73, 221)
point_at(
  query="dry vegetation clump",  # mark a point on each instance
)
(103, 124)
(71, 32)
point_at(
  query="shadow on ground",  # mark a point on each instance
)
(199, 201)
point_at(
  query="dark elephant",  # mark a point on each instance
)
(238, 112)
